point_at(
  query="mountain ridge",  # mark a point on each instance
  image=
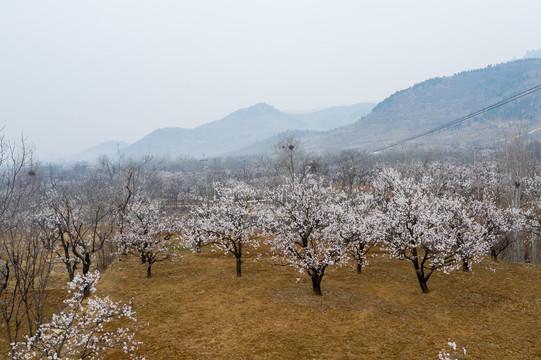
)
(406, 112)
(236, 130)
(437, 101)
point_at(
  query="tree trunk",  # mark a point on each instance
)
(465, 265)
(421, 277)
(67, 262)
(86, 264)
(149, 270)
(239, 266)
(493, 253)
(359, 266)
(86, 270)
(422, 282)
(71, 271)
(316, 284)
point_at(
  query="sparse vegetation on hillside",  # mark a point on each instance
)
(436, 101)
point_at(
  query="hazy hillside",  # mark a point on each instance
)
(437, 101)
(407, 112)
(334, 117)
(237, 129)
(241, 128)
(109, 148)
(533, 54)
(266, 146)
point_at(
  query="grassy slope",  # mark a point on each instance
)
(195, 308)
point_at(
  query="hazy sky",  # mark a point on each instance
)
(74, 73)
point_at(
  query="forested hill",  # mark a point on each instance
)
(436, 101)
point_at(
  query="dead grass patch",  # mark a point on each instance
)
(196, 308)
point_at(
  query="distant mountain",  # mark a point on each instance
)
(419, 108)
(437, 101)
(237, 129)
(333, 117)
(241, 128)
(109, 148)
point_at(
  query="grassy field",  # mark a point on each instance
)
(196, 308)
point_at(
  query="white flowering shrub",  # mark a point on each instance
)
(84, 330)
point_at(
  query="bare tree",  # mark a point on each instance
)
(25, 260)
(82, 219)
(533, 212)
(515, 160)
(24, 276)
(290, 158)
(350, 167)
(125, 180)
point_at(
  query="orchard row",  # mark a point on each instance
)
(437, 215)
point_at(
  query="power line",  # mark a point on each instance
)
(464, 118)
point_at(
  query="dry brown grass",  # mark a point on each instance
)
(195, 308)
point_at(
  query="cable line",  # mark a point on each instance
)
(464, 118)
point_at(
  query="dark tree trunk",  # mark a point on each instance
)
(465, 265)
(421, 277)
(316, 277)
(86, 270)
(237, 245)
(316, 284)
(69, 267)
(359, 266)
(71, 271)
(239, 267)
(422, 282)
(149, 270)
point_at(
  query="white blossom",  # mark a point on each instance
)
(301, 222)
(84, 330)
